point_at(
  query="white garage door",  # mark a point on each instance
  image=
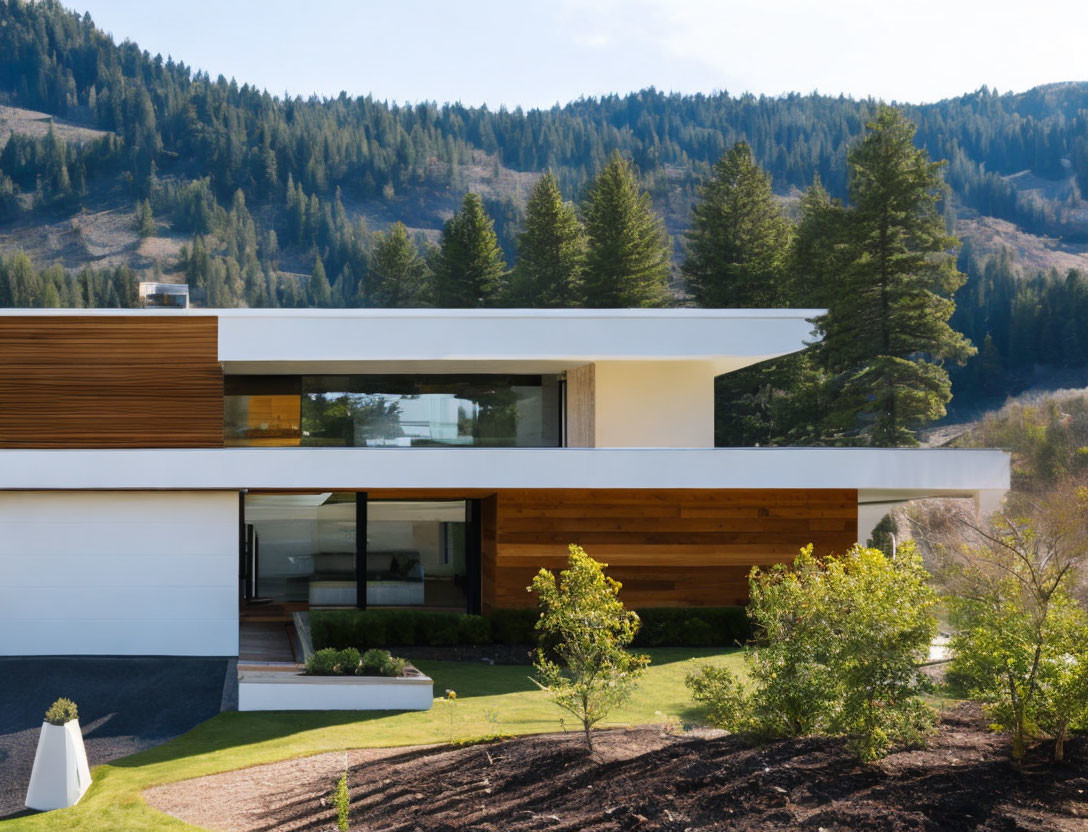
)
(119, 573)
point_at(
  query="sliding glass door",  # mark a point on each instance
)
(342, 549)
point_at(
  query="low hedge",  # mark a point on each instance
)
(348, 662)
(368, 629)
(693, 627)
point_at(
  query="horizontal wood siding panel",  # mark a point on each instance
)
(691, 547)
(110, 382)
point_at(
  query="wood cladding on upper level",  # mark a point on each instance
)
(107, 381)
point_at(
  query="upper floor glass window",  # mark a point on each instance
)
(393, 411)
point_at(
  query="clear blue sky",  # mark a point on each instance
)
(533, 53)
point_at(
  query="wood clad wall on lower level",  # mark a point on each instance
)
(110, 381)
(668, 547)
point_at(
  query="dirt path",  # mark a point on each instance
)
(248, 799)
(641, 779)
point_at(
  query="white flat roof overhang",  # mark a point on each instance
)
(502, 340)
(312, 341)
(880, 475)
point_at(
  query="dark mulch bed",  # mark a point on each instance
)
(642, 780)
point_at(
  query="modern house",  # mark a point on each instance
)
(160, 470)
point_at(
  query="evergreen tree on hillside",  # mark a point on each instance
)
(469, 268)
(318, 289)
(627, 258)
(886, 333)
(816, 257)
(551, 250)
(398, 275)
(739, 240)
(145, 220)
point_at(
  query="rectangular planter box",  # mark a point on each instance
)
(272, 691)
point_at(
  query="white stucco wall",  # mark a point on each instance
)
(654, 404)
(119, 573)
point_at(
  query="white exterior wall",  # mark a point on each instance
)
(119, 573)
(654, 404)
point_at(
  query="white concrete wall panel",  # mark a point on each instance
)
(654, 404)
(119, 573)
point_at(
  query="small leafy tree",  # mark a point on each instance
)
(1063, 677)
(585, 667)
(1020, 646)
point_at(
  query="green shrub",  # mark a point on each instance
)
(442, 630)
(381, 663)
(697, 633)
(474, 630)
(341, 799)
(514, 627)
(661, 627)
(323, 662)
(729, 700)
(347, 661)
(61, 712)
(840, 639)
(693, 627)
(336, 628)
(402, 627)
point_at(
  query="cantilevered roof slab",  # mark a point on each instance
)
(302, 341)
(879, 474)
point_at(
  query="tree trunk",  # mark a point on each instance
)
(589, 737)
(1059, 745)
(1019, 745)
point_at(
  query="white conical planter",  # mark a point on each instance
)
(60, 775)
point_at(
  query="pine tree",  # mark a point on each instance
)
(739, 239)
(627, 256)
(991, 372)
(398, 275)
(886, 333)
(815, 259)
(469, 269)
(145, 220)
(319, 290)
(551, 250)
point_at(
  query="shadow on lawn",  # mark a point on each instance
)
(468, 679)
(234, 729)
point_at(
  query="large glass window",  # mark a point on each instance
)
(415, 554)
(305, 546)
(393, 411)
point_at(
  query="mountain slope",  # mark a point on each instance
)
(132, 126)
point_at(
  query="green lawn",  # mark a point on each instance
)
(235, 740)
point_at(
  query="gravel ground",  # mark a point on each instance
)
(125, 705)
